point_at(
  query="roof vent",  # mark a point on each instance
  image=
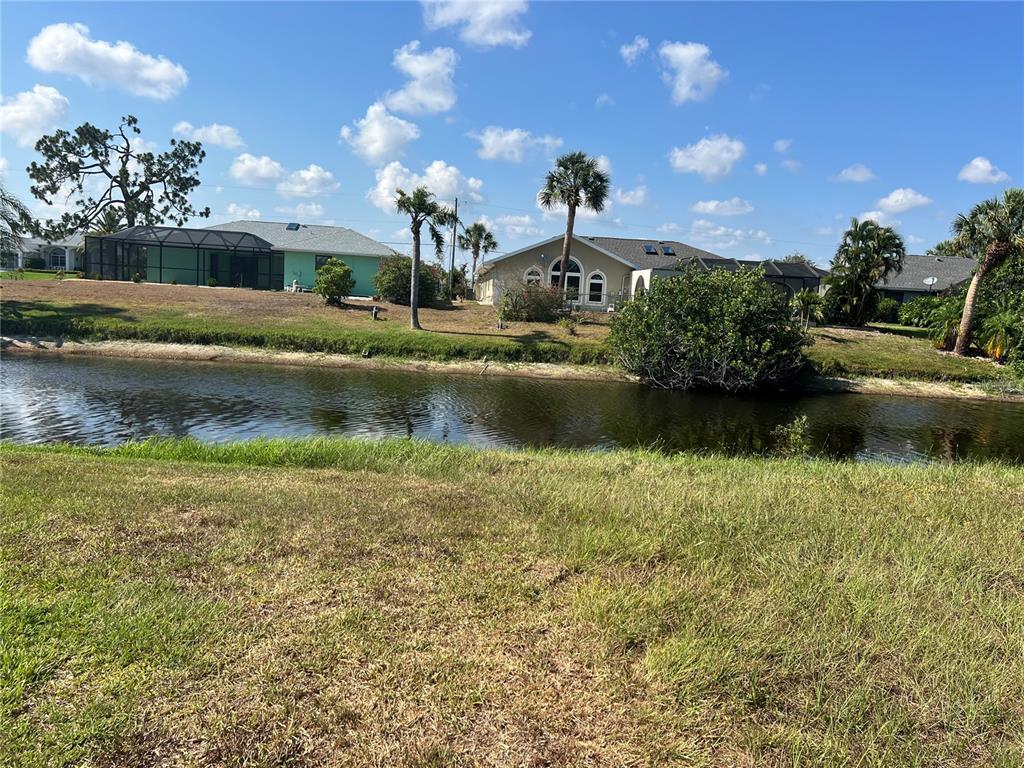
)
(293, 226)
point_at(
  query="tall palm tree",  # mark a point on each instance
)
(994, 229)
(477, 239)
(15, 221)
(422, 208)
(575, 181)
(867, 254)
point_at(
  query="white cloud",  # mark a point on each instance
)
(483, 24)
(716, 235)
(824, 231)
(712, 157)
(782, 145)
(252, 171)
(670, 228)
(216, 134)
(30, 114)
(856, 173)
(303, 211)
(242, 211)
(690, 70)
(513, 226)
(981, 171)
(446, 181)
(511, 144)
(635, 196)
(311, 181)
(791, 165)
(734, 206)
(760, 168)
(604, 100)
(914, 239)
(903, 199)
(4, 166)
(67, 48)
(630, 52)
(430, 88)
(879, 217)
(380, 135)
(604, 163)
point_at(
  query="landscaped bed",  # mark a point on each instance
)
(90, 309)
(354, 603)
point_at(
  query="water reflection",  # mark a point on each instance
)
(107, 401)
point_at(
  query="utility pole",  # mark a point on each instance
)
(455, 236)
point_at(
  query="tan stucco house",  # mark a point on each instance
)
(604, 271)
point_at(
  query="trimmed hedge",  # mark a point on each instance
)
(398, 344)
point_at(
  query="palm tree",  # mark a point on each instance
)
(477, 239)
(110, 222)
(808, 304)
(15, 221)
(994, 229)
(422, 208)
(867, 255)
(575, 181)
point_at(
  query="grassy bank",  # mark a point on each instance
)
(295, 322)
(87, 309)
(351, 603)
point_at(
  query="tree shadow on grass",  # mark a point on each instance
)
(532, 337)
(44, 310)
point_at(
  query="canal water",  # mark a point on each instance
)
(100, 401)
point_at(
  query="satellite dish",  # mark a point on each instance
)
(930, 281)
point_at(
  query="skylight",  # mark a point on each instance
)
(668, 250)
(648, 248)
(293, 227)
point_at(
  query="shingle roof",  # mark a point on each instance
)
(948, 271)
(312, 238)
(34, 243)
(632, 250)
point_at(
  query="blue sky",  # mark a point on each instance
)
(728, 126)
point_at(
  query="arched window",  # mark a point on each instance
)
(533, 276)
(639, 287)
(595, 288)
(573, 277)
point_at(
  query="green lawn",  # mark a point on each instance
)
(326, 603)
(898, 352)
(30, 274)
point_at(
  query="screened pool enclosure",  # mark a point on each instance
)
(186, 257)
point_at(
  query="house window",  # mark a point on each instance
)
(533, 276)
(321, 260)
(573, 277)
(595, 288)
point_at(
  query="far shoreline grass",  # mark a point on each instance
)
(338, 601)
(106, 311)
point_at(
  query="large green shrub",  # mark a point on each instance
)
(35, 262)
(531, 304)
(709, 329)
(334, 281)
(916, 311)
(394, 279)
(887, 311)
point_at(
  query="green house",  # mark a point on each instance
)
(264, 255)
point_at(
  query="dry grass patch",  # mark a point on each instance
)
(353, 603)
